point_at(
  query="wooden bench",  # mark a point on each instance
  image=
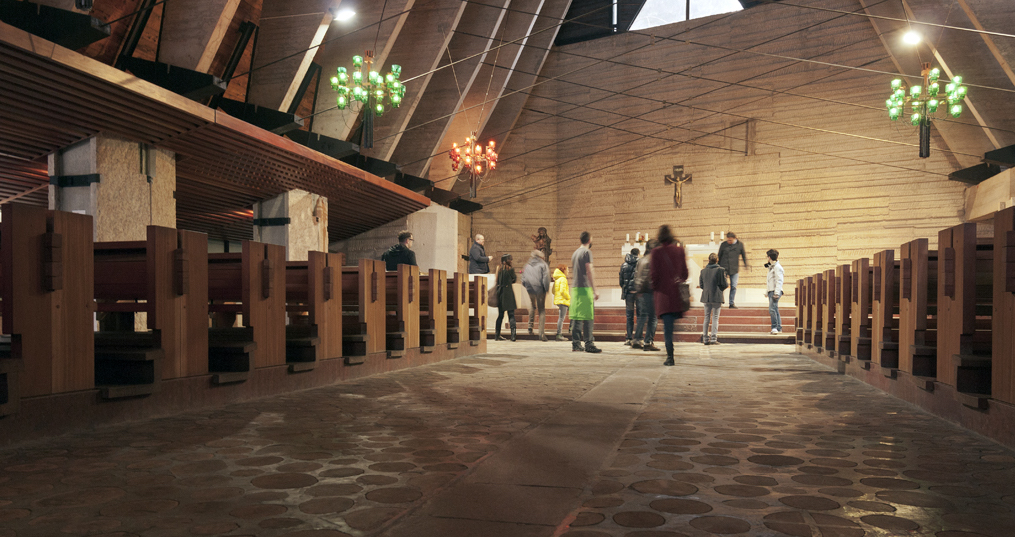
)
(805, 321)
(47, 344)
(164, 277)
(861, 276)
(458, 308)
(818, 295)
(433, 312)
(363, 310)
(402, 297)
(478, 310)
(1003, 331)
(965, 308)
(918, 273)
(885, 313)
(313, 302)
(828, 283)
(250, 284)
(842, 327)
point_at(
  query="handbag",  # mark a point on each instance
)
(491, 297)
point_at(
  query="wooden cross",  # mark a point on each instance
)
(677, 180)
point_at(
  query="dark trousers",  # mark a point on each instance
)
(668, 320)
(500, 318)
(630, 304)
(581, 331)
(646, 318)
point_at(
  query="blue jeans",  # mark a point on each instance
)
(711, 317)
(629, 306)
(646, 318)
(668, 320)
(734, 279)
(773, 310)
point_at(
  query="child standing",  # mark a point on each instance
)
(561, 296)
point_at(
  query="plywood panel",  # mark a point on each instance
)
(73, 337)
(843, 309)
(328, 311)
(860, 331)
(263, 275)
(884, 310)
(956, 295)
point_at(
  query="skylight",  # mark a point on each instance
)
(660, 12)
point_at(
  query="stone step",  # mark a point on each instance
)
(785, 338)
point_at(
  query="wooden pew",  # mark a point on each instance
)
(402, 297)
(458, 308)
(828, 282)
(799, 299)
(806, 321)
(965, 303)
(861, 275)
(918, 274)
(363, 310)
(433, 326)
(843, 312)
(885, 313)
(252, 284)
(817, 308)
(1003, 330)
(478, 309)
(314, 304)
(164, 277)
(47, 345)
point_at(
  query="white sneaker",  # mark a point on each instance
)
(775, 331)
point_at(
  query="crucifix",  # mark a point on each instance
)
(677, 180)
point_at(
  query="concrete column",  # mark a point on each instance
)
(435, 239)
(296, 219)
(125, 186)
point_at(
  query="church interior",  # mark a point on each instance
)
(250, 360)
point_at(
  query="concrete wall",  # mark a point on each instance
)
(436, 240)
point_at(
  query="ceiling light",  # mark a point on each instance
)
(911, 38)
(344, 14)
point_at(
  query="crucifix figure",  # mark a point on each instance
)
(677, 180)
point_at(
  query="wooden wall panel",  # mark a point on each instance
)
(1003, 333)
(843, 309)
(264, 300)
(195, 303)
(73, 337)
(884, 311)
(956, 295)
(860, 331)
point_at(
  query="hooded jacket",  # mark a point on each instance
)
(712, 280)
(561, 291)
(627, 275)
(536, 276)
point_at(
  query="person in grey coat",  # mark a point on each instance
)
(731, 251)
(712, 281)
(536, 280)
(479, 262)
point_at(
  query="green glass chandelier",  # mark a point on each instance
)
(370, 88)
(926, 100)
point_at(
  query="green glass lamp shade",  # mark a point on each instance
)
(955, 110)
(933, 89)
(915, 119)
(357, 61)
(342, 101)
(915, 91)
(893, 113)
(932, 105)
(934, 74)
(897, 83)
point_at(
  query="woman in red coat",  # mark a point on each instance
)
(668, 269)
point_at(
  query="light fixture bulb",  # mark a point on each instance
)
(344, 14)
(911, 38)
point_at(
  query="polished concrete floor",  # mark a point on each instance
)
(531, 440)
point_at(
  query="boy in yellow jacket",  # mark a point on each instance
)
(561, 296)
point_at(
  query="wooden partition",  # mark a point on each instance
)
(885, 312)
(433, 326)
(843, 311)
(458, 308)
(46, 288)
(478, 310)
(828, 282)
(862, 278)
(806, 320)
(817, 308)
(799, 300)
(918, 312)
(164, 277)
(402, 297)
(314, 304)
(251, 284)
(363, 310)
(965, 304)
(1003, 332)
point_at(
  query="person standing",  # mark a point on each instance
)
(668, 270)
(479, 262)
(776, 275)
(731, 251)
(626, 294)
(536, 280)
(561, 297)
(505, 296)
(401, 253)
(712, 282)
(584, 296)
(642, 286)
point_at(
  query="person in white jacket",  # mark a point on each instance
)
(775, 278)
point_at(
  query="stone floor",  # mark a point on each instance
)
(531, 440)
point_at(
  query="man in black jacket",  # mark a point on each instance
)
(401, 253)
(730, 253)
(479, 262)
(712, 281)
(627, 291)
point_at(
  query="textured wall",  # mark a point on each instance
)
(763, 163)
(308, 223)
(435, 233)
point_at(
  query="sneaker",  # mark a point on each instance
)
(714, 343)
(627, 342)
(775, 331)
(577, 348)
(530, 331)
(669, 361)
(732, 307)
(543, 338)
(559, 337)
(636, 345)
(592, 349)
(707, 343)
(649, 348)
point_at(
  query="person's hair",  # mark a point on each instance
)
(713, 258)
(774, 254)
(479, 236)
(665, 235)
(538, 253)
(635, 251)
(404, 235)
(541, 231)
(562, 267)
(731, 235)
(651, 245)
(505, 261)
(585, 237)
